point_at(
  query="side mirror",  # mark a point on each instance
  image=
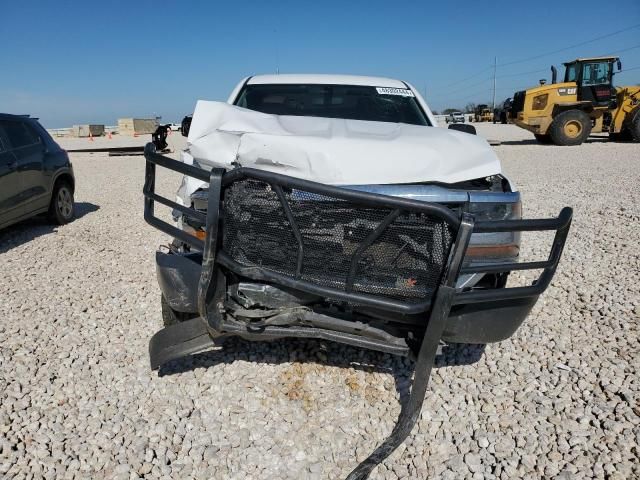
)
(619, 64)
(463, 127)
(186, 125)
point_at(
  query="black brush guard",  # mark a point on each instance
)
(201, 333)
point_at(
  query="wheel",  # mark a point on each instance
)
(62, 206)
(543, 139)
(570, 128)
(633, 124)
(170, 316)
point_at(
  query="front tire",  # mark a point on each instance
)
(62, 208)
(570, 128)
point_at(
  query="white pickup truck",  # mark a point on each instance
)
(333, 207)
(455, 117)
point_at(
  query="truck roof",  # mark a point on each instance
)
(587, 59)
(326, 79)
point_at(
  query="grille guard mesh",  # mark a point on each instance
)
(334, 242)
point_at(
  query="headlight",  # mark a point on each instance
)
(495, 210)
(540, 102)
(492, 246)
(199, 201)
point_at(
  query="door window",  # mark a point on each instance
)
(19, 133)
(596, 73)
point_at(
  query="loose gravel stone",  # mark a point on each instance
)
(560, 399)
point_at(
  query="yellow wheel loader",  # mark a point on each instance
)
(585, 102)
(483, 113)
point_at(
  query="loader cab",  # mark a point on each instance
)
(594, 79)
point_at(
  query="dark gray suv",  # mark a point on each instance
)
(36, 175)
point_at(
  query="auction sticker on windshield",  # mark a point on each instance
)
(404, 92)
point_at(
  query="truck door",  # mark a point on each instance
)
(595, 83)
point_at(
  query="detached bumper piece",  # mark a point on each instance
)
(350, 248)
(176, 341)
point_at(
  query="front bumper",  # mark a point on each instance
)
(533, 124)
(484, 322)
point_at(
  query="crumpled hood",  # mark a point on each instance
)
(336, 151)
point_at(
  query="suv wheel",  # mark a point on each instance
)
(62, 206)
(570, 128)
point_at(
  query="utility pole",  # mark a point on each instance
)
(275, 35)
(495, 66)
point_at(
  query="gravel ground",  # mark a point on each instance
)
(560, 399)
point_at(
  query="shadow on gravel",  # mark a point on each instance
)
(533, 141)
(323, 354)
(25, 231)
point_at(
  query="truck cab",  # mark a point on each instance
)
(593, 79)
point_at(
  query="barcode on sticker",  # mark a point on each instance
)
(405, 92)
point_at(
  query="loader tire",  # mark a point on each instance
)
(172, 317)
(543, 139)
(633, 126)
(570, 128)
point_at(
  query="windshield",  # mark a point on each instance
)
(353, 102)
(596, 73)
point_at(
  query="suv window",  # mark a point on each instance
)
(353, 102)
(19, 133)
